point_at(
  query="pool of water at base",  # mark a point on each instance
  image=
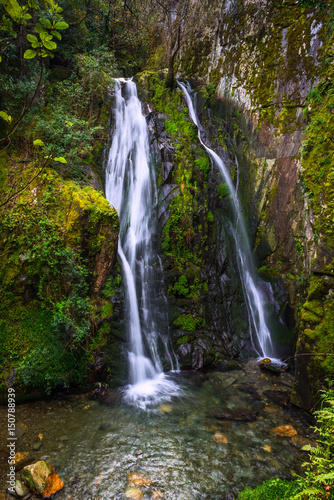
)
(209, 443)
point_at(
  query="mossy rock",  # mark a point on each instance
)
(35, 476)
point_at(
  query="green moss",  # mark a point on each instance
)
(309, 317)
(189, 322)
(316, 335)
(185, 339)
(269, 271)
(314, 306)
(50, 235)
(223, 191)
(318, 157)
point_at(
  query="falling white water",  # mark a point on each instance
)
(262, 341)
(130, 188)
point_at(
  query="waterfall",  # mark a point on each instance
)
(130, 188)
(262, 342)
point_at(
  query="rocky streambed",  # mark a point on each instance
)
(226, 430)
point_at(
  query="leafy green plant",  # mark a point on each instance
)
(274, 489)
(223, 191)
(189, 322)
(203, 163)
(318, 482)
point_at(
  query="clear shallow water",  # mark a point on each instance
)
(94, 447)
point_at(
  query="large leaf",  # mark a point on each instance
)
(5, 117)
(45, 21)
(29, 54)
(39, 28)
(32, 4)
(13, 8)
(38, 142)
(50, 45)
(61, 25)
(61, 159)
(32, 38)
(57, 35)
(45, 36)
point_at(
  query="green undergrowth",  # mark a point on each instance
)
(52, 234)
(72, 121)
(274, 489)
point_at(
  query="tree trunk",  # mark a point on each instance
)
(173, 48)
(170, 81)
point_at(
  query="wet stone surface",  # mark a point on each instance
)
(185, 453)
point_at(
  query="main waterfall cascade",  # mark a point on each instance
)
(130, 188)
(262, 341)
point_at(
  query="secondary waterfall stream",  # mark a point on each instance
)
(262, 340)
(130, 188)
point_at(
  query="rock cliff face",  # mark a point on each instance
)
(208, 314)
(264, 70)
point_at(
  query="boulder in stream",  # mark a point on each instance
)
(42, 479)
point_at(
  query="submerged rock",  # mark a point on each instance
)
(221, 380)
(300, 441)
(237, 414)
(37, 446)
(134, 493)
(42, 479)
(137, 479)
(220, 438)
(165, 408)
(285, 431)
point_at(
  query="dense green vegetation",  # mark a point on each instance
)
(54, 225)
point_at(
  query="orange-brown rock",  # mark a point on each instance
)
(20, 456)
(134, 493)
(41, 478)
(285, 431)
(136, 479)
(53, 484)
(219, 437)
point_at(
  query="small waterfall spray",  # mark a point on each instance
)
(130, 188)
(262, 341)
